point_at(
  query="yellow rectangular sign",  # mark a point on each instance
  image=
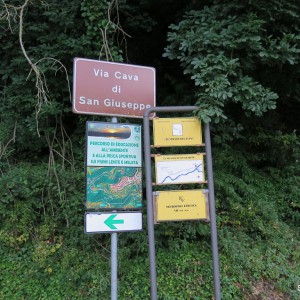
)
(179, 168)
(180, 205)
(170, 132)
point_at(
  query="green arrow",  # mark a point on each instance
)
(110, 222)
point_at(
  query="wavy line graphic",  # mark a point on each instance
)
(196, 169)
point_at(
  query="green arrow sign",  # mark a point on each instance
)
(110, 222)
(97, 222)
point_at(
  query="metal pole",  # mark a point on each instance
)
(212, 210)
(114, 266)
(114, 256)
(151, 239)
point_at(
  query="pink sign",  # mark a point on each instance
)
(105, 88)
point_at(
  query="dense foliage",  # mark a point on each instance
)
(238, 53)
(238, 61)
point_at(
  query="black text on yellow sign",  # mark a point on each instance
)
(169, 132)
(180, 205)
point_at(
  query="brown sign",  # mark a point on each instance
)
(105, 88)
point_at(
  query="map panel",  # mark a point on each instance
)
(113, 188)
(178, 169)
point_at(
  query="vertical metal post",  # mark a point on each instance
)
(114, 266)
(212, 210)
(151, 239)
(114, 256)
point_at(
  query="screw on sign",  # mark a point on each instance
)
(105, 88)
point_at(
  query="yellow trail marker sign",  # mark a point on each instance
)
(180, 205)
(170, 132)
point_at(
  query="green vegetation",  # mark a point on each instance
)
(238, 61)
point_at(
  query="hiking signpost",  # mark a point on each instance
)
(113, 162)
(183, 204)
(113, 150)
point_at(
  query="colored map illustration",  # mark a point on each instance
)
(113, 187)
(175, 172)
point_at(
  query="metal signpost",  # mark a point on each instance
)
(113, 182)
(113, 89)
(177, 138)
(116, 89)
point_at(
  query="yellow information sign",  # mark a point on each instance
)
(170, 132)
(179, 168)
(180, 205)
